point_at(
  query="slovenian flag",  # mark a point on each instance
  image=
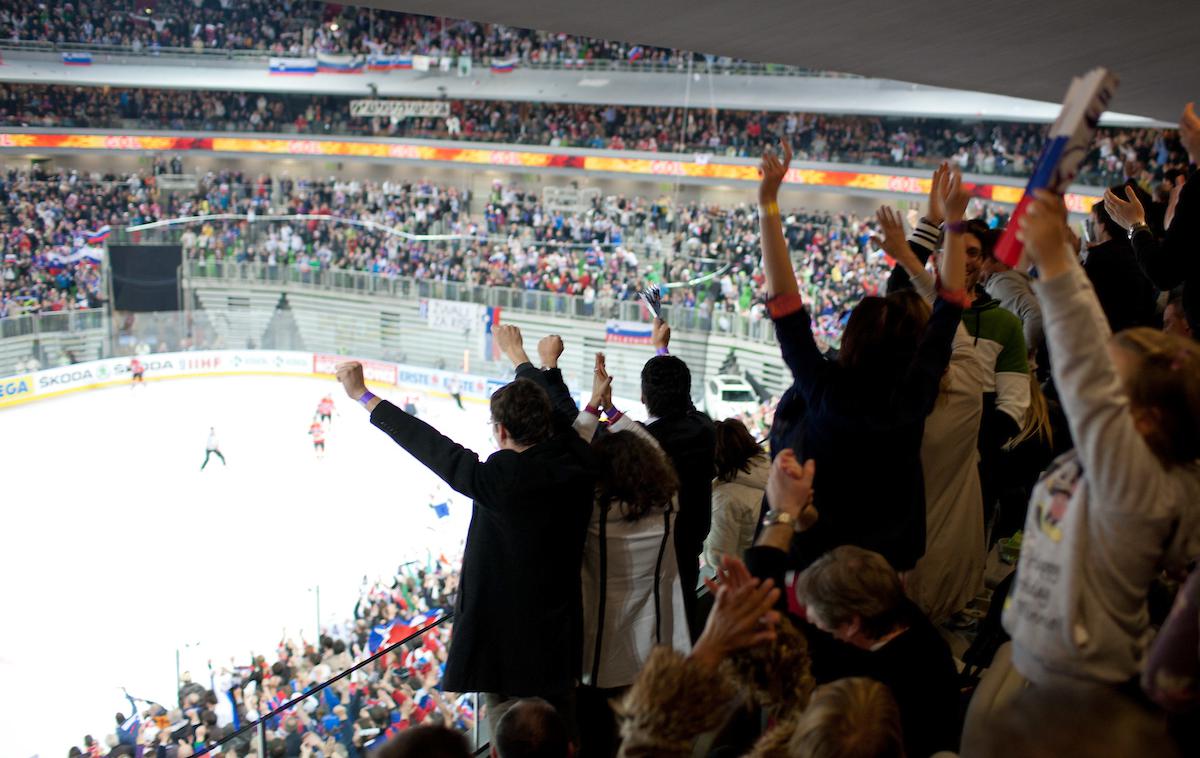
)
(628, 332)
(293, 66)
(504, 66)
(491, 320)
(636, 53)
(1066, 146)
(327, 63)
(77, 59)
(99, 235)
(389, 63)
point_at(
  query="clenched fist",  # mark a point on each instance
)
(550, 348)
(350, 374)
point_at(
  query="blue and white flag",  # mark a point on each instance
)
(77, 59)
(329, 63)
(389, 63)
(504, 66)
(294, 66)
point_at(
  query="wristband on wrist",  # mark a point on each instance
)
(769, 209)
(662, 351)
(367, 397)
(612, 413)
(589, 408)
(956, 227)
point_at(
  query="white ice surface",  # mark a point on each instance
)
(117, 550)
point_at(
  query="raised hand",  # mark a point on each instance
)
(937, 193)
(790, 488)
(773, 169)
(1172, 201)
(511, 343)
(740, 618)
(1129, 212)
(1189, 132)
(732, 573)
(954, 197)
(1043, 231)
(601, 384)
(350, 374)
(893, 242)
(660, 334)
(550, 348)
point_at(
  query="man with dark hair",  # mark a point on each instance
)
(689, 439)
(531, 729)
(1125, 294)
(425, 742)
(517, 617)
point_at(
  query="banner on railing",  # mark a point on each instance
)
(466, 318)
(16, 389)
(400, 109)
(77, 59)
(627, 332)
(329, 63)
(389, 63)
(293, 66)
(504, 66)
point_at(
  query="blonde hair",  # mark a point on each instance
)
(1165, 383)
(849, 718)
(1037, 418)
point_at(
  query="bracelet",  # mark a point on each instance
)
(1141, 226)
(956, 227)
(775, 518)
(769, 209)
(589, 408)
(367, 397)
(662, 351)
(612, 413)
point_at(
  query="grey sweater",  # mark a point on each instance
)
(1014, 290)
(1103, 519)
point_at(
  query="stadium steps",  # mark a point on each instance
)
(241, 319)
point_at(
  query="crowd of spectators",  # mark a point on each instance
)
(1005, 148)
(400, 690)
(301, 28)
(935, 423)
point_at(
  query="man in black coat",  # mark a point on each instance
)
(689, 439)
(1125, 294)
(517, 616)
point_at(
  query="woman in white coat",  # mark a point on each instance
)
(632, 597)
(737, 493)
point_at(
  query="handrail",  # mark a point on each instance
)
(288, 705)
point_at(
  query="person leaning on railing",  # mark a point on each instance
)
(517, 626)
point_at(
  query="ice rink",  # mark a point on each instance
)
(119, 550)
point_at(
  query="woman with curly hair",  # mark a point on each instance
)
(632, 596)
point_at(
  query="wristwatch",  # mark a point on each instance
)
(1138, 228)
(774, 517)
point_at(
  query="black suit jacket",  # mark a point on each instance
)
(517, 617)
(690, 441)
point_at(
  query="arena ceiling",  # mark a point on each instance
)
(1023, 48)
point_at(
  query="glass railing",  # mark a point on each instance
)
(688, 319)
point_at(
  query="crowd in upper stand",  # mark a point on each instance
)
(300, 28)
(982, 147)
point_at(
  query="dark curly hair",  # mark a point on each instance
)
(634, 473)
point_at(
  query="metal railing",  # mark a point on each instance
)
(694, 319)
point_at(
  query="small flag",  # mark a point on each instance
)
(652, 297)
(491, 320)
(293, 66)
(627, 333)
(99, 235)
(77, 59)
(328, 63)
(636, 53)
(504, 66)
